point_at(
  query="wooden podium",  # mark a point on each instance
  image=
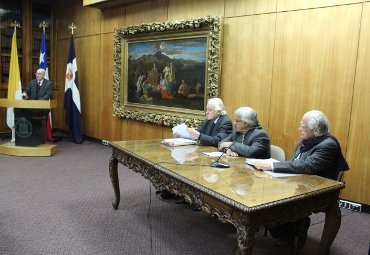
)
(30, 128)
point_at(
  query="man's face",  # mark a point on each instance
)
(40, 75)
(211, 112)
(304, 131)
(240, 125)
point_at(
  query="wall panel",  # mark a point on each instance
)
(314, 66)
(88, 74)
(149, 11)
(286, 5)
(187, 9)
(247, 63)
(358, 153)
(86, 19)
(242, 7)
(112, 18)
(61, 64)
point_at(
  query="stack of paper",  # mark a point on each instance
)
(251, 161)
(178, 142)
(182, 131)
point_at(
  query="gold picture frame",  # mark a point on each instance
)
(164, 72)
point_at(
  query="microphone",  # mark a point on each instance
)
(219, 164)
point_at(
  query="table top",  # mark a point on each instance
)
(241, 183)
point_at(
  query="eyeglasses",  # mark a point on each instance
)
(238, 121)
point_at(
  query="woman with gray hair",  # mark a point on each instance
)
(248, 138)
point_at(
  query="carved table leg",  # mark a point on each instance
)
(114, 178)
(245, 240)
(331, 228)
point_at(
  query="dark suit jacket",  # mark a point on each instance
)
(256, 143)
(211, 134)
(44, 93)
(320, 160)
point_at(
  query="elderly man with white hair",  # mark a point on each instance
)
(316, 153)
(39, 88)
(248, 138)
(215, 127)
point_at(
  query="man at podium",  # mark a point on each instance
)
(30, 124)
(39, 88)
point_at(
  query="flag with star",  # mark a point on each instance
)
(72, 96)
(43, 63)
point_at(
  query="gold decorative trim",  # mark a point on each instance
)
(167, 116)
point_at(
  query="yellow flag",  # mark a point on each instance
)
(14, 84)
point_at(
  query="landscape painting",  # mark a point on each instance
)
(168, 73)
(164, 72)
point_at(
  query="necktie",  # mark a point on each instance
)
(38, 89)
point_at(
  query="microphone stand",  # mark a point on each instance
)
(219, 164)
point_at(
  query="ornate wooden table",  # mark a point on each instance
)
(239, 195)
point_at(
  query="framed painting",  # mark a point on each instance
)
(165, 72)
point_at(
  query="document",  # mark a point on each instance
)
(182, 131)
(251, 161)
(178, 142)
(213, 154)
(273, 174)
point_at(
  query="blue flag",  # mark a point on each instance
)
(72, 96)
(43, 63)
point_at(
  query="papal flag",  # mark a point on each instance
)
(14, 84)
(72, 96)
(43, 63)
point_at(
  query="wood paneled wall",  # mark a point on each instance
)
(281, 57)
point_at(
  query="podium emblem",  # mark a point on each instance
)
(23, 128)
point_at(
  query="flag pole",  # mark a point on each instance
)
(14, 24)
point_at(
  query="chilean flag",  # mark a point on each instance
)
(43, 63)
(72, 96)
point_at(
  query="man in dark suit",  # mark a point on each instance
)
(316, 153)
(248, 138)
(39, 88)
(215, 127)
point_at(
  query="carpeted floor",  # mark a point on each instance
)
(62, 205)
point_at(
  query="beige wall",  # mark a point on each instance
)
(282, 57)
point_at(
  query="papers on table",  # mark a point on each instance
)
(178, 142)
(251, 161)
(182, 131)
(273, 174)
(213, 154)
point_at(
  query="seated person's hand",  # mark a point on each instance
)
(193, 133)
(224, 145)
(263, 165)
(231, 153)
(24, 95)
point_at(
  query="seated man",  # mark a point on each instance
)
(215, 127)
(317, 153)
(248, 138)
